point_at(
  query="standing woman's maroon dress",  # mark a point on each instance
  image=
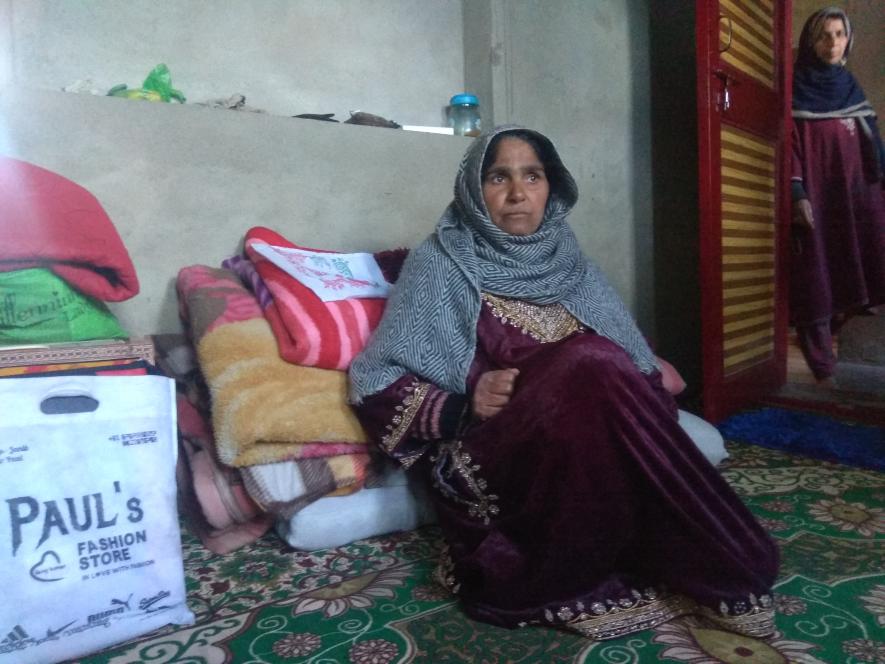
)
(837, 267)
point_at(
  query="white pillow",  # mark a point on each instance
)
(705, 436)
(400, 503)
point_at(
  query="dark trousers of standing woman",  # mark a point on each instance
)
(816, 343)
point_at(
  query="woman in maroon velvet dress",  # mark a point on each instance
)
(507, 369)
(838, 262)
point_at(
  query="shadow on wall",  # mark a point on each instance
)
(675, 189)
(640, 188)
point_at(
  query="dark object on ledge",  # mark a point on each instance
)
(236, 102)
(326, 117)
(370, 120)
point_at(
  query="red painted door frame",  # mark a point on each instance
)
(758, 110)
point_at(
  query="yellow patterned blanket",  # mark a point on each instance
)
(264, 409)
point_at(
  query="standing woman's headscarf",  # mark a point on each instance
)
(429, 325)
(823, 91)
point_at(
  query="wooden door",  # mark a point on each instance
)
(743, 59)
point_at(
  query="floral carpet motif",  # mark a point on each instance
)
(375, 601)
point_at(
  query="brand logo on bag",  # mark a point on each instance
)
(52, 634)
(40, 521)
(18, 638)
(103, 616)
(120, 602)
(13, 314)
(48, 568)
(147, 604)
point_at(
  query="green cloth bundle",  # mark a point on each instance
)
(37, 306)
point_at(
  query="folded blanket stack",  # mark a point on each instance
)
(211, 496)
(286, 429)
(263, 408)
(274, 354)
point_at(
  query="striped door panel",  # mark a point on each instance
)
(748, 42)
(748, 249)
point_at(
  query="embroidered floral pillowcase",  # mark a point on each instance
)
(311, 332)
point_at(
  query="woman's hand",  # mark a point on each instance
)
(493, 391)
(802, 214)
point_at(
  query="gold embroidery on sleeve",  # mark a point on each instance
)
(543, 322)
(405, 414)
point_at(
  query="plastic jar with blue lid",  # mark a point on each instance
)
(464, 116)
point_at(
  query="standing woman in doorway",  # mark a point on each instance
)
(838, 261)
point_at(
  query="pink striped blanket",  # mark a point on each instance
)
(309, 331)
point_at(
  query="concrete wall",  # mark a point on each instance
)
(579, 71)
(576, 70)
(401, 59)
(182, 184)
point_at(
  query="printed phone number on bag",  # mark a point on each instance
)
(137, 438)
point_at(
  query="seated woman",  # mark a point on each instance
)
(567, 493)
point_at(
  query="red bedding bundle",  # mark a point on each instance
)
(49, 221)
(308, 331)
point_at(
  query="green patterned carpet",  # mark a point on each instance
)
(374, 602)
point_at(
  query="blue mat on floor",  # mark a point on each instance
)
(810, 435)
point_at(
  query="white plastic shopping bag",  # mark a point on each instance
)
(89, 541)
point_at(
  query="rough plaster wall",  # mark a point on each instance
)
(5, 41)
(480, 51)
(401, 59)
(182, 184)
(579, 71)
(576, 70)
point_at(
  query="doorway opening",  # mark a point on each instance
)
(859, 343)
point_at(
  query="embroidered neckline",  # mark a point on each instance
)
(543, 322)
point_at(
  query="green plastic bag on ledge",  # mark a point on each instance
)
(156, 87)
(39, 307)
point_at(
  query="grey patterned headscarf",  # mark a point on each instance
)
(429, 325)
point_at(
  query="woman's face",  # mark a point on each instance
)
(830, 46)
(515, 188)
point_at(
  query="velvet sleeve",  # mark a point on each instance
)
(655, 379)
(797, 174)
(409, 415)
